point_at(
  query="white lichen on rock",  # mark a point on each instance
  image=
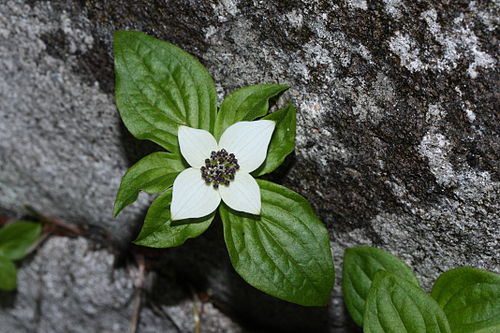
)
(457, 42)
(393, 7)
(406, 48)
(360, 4)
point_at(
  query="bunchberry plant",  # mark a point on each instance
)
(382, 294)
(15, 239)
(212, 159)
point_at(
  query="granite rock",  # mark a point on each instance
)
(74, 285)
(397, 139)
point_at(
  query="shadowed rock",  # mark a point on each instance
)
(71, 285)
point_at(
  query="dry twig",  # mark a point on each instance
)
(137, 300)
(53, 221)
(196, 313)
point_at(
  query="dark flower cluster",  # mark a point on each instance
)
(220, 168)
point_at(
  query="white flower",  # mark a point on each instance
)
(220, 171)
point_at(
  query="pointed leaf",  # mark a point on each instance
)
(246, 103)
(152, 174)
(8, 275)
(159, 231)
(285, 251)
(470, 298)
(396, 305)
(359, 269)
(17, 237)
(158, 87)
(282, 141)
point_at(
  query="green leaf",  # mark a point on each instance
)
(159, 87)
(396, 305)
(359, 268)
(470, 297)
(17, 237)
(245, 104)
(159, 231)
(285, 251)
(283, 139)
(8, 275)
(152, 174)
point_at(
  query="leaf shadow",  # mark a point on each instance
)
(283, 170)
(192, 220)
(242, 214)
(7, 299)
(134, 149)
(192, 265)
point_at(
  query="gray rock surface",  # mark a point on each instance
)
(70, 285)
(397, 139)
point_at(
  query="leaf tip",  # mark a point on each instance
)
(123, 38)
(117, 209)
(125, 33)
(119, 34)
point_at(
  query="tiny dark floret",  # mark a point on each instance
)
(220, 168)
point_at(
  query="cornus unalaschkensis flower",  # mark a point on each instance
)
(220, 170)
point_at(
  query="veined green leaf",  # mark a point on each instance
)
(359, 268)
(152, 174)
(283, 139)
(396, 305)
(159, 231)
(17, 237)
(247, 103)
(285, 251)
(159, 87)
(8, 275)
(470, 297)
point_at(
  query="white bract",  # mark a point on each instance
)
(220, 170)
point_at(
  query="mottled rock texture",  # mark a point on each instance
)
(397, 143)
(72, 285)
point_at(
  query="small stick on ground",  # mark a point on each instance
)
(137, 300)
(196, 312)
(163, 314)
(6, 220)
(53, 221)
